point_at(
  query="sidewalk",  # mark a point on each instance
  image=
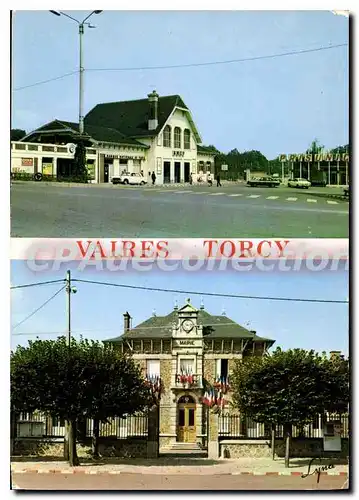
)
(246, 466)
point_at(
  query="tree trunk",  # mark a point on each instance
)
(66, 442)
(73, 458)
(287, 433)
(95, 436)
(273, 442)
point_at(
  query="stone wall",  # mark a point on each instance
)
(166, 377)
(127, 448)
(300, 448)
(209, 369)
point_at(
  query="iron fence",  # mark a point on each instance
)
(241, 427)
(37, 424)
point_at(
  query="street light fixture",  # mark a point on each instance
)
(81, 25)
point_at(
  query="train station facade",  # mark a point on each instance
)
(157, 134)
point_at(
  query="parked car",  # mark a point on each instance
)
(346, 191)
(299, 183)
(263, 181)
(128, 178)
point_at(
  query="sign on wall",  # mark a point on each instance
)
(159, 166)
(27, 162)
(224, 167)
(47, 168)
(316, 157)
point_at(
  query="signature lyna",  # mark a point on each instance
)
(317, 470)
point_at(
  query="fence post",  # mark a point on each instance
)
(153, 432)
(213, 441)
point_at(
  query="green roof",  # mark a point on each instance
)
(206, 150)
(131, 117)
(219, 327)
(98, 134)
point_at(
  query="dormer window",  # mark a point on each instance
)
(177, 138)
(167, 136)
(186, 139)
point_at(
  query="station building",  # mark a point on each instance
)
(157, 134)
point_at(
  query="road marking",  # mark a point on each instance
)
(215, 194)
(332, 202)
(272, 197)
(181, 192)
(200, 192)
(235, 195)
(292, 199)
(310, 200)
(254, 196)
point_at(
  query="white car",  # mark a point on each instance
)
(128, 178)
(299, 183)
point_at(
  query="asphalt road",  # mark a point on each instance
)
(155, 482)
(51, 211)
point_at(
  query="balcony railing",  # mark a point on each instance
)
(188, 380)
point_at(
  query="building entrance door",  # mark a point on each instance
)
(105, 172)
(186, 171)
(186, 423)
(166, 172)
(177, 172)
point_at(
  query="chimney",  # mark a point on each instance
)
(153, 112)
(202, 305)
(126, 322)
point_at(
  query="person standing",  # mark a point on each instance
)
(191, 179)
(209, 179)
(219, 180)
(153, 177)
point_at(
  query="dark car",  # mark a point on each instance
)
(263, 181)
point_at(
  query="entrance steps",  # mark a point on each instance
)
(180, 449)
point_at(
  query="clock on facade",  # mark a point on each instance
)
(187, 325)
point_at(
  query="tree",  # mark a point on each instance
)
(16, 134)
(290, 388)
(79, 165)
(315, 147)
(86, 380)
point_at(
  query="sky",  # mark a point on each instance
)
(276, 105)
(97, 311)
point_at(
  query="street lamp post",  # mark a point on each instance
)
(81, 25)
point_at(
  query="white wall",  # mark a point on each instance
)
(158, 151)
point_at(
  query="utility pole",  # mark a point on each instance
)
(81, 25)
(81, 82)
(68, 304)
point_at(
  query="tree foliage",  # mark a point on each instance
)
(86, 380)
(290, 387)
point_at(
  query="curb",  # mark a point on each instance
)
(99, 472)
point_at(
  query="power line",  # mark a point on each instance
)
(230, 61)
(209, 294)
(36, 284)
(46, 81)
(38, 309)
(191, 65)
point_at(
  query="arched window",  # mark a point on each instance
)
(187, 139)
(177, 138)
(167, 136)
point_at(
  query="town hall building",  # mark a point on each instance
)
(157, 134)
(192, 353)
